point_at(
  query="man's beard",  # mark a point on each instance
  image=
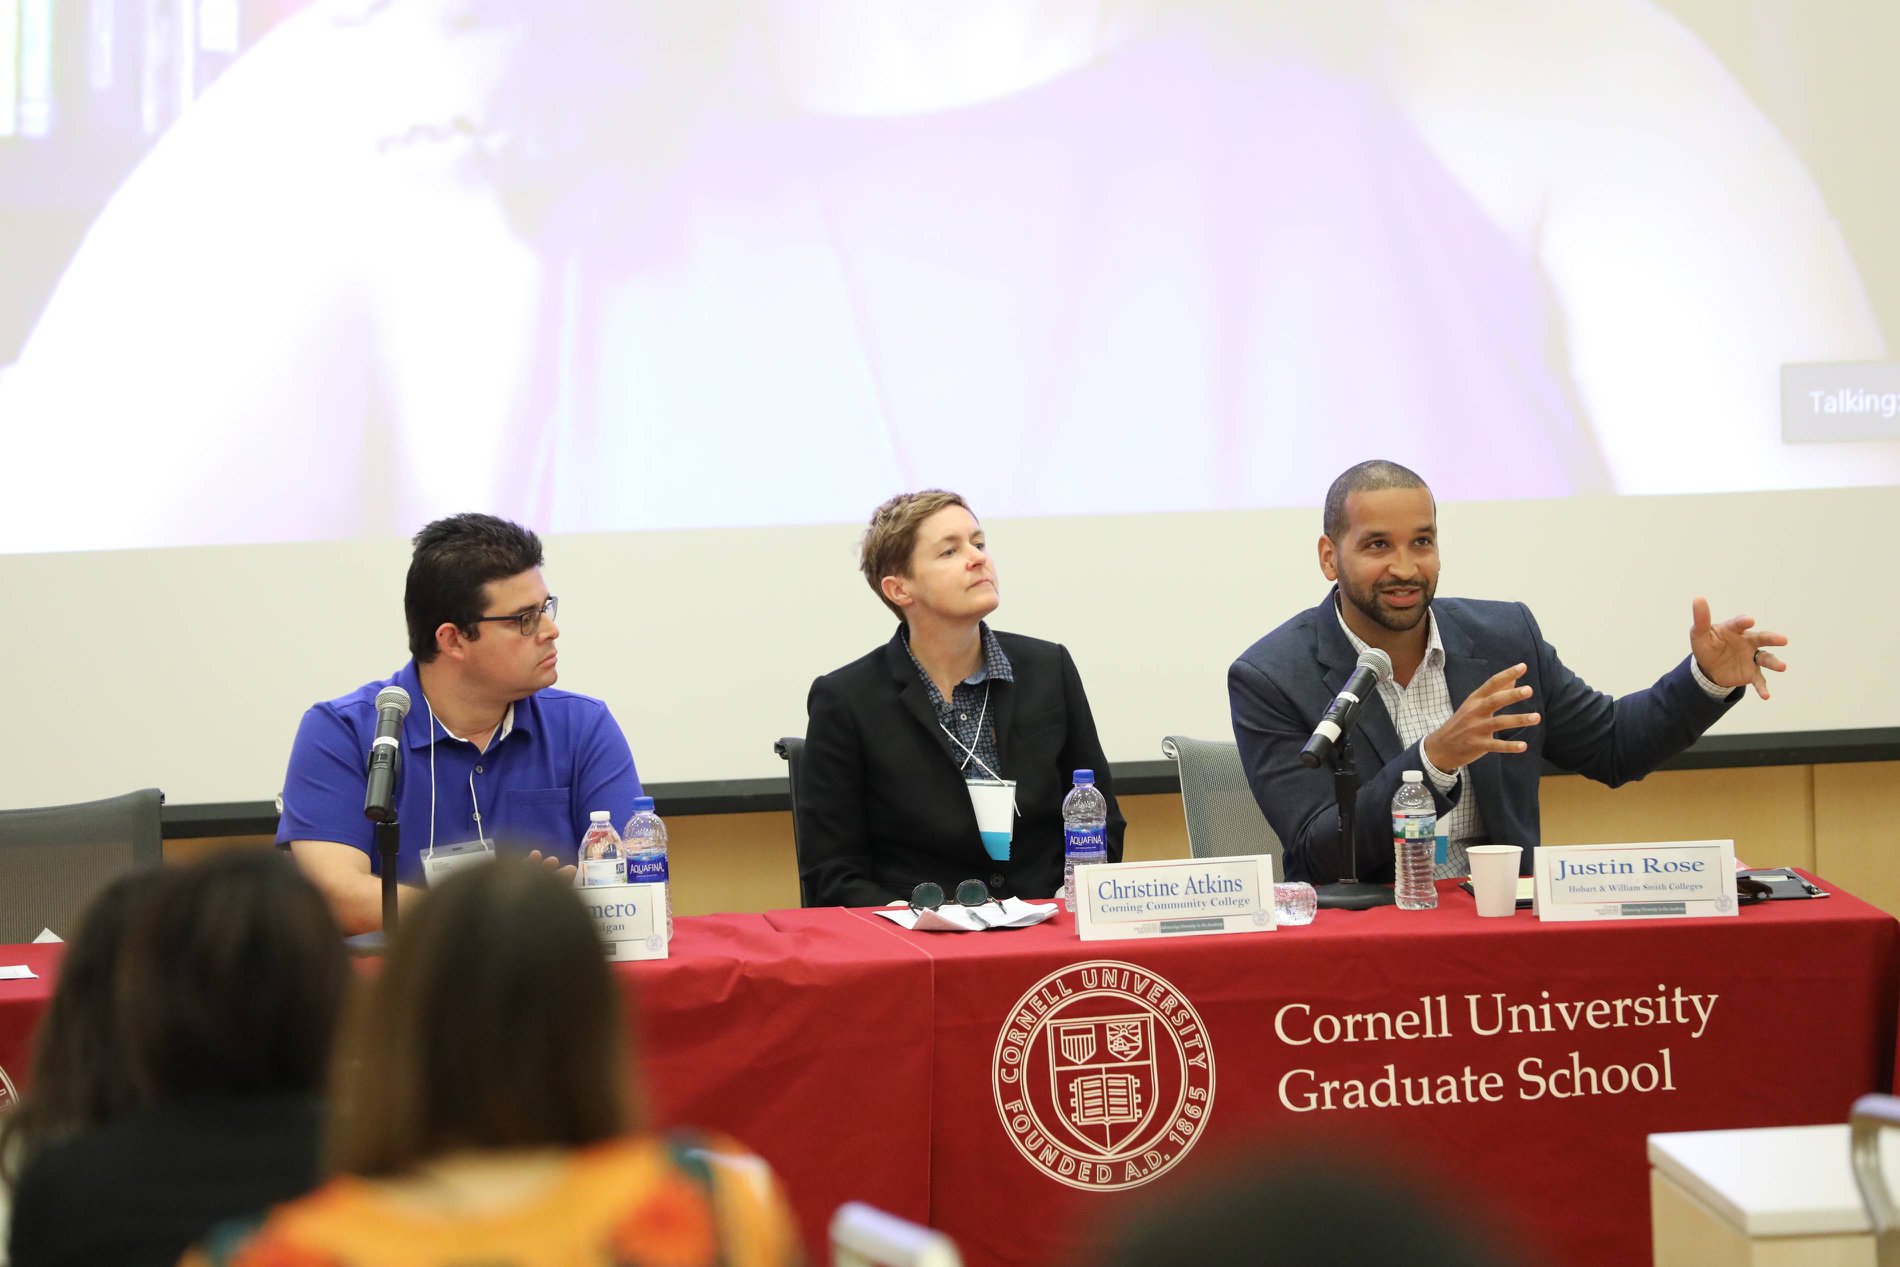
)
(1367, 601)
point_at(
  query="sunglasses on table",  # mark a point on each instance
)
(928, 896)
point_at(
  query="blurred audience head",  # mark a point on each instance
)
(77, 1082)
(494, 1025)
(231, 980)
(219, 979)
(1302, 1211)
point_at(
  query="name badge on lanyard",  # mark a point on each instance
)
(994, 801)
(442, 861)
(439, 862)
(993, 798)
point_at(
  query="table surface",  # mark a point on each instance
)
(865, 1062)
(1778, 1180)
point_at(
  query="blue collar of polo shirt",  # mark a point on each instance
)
(416, 727)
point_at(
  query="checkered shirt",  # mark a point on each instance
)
(1417, 710)
(960, 713)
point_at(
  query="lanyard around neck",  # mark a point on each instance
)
(969, 750)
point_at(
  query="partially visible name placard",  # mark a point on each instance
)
(1664, 880)
(1176, 898)
(631, 918)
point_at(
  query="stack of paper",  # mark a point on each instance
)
(1010, 912)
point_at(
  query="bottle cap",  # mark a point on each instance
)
(600, 816)
(1414, 776)
(1085, 777)
(643, 805)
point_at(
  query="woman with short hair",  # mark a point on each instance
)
(902, 743)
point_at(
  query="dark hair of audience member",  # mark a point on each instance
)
(231, 981)
(220, 979)
(1298, 1209)
(78, 1080)
(493, 1025)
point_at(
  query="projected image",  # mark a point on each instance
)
(601, 265)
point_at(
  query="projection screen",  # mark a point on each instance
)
(690, 288)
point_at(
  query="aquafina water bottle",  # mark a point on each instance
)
(646, 852)
(1084, 831)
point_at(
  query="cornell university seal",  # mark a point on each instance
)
(1103, 1075)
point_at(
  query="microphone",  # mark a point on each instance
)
(385, 755)
(1374, 667)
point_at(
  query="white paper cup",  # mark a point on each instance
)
(1494, 877)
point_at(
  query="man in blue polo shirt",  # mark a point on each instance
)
(493, 757)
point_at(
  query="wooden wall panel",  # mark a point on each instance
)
(731, 862)
(1768, 811)
(203, 847)
(744, 862)
(1156, 827)
(1835, 820)
(1855, 842)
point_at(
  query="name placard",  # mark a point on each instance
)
(1662, 880)
(631, 918)
(1177, 898)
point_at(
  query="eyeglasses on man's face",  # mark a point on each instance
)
(529, 622)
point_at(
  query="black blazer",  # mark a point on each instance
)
(881, 800)
(139, 1190)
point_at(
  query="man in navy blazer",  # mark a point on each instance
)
(892, 739)
(1517, 705)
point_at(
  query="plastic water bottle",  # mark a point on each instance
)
(1294, 903)
(602, 860)
(1414, 840)
(1084, 831)
(646, 852)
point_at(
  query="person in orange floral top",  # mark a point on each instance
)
(483, 1113)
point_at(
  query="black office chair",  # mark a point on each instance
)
(54, 860)
(792, 747)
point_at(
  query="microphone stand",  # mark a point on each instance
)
(1349, 893)
(388, 835)
(388, 846)
(379, 806)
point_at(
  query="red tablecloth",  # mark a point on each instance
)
(21, 1003)
(1800, 1002)
(1015, 1088)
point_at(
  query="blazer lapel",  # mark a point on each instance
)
(1003, 704)
(916, 701)
(911, 694)
(1337, 660)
